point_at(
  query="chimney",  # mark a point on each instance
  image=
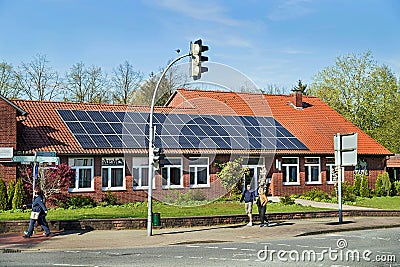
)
(298, 99)
(298, 95)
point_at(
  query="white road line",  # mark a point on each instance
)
(386, 239)
(192, 246)
(230, 248)
(212, 247)
(247, 249)
(284, 245)
(178, 257)
(300, 246)
(195, 257)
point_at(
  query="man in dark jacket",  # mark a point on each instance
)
(38, 207)
(248, 196)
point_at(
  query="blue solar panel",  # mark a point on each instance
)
(81, 115)
(104, 129)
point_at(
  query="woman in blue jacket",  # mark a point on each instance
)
(38, 206)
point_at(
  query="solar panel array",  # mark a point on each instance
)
(110, 129)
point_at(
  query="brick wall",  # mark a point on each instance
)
(141, 223)
(8, 138)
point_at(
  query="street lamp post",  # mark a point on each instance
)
(151, 146)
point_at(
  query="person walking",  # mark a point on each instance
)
(248, 196)
(39, 212)
(261, 202)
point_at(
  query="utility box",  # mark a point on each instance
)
(156, 219)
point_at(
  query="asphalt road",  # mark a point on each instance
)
(379, 247)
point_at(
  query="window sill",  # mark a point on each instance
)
(173, 187)
(142, 188)
(200, 186)
(105, 189)
(80, 190)
(291, 183)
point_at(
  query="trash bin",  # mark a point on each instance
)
(156, 219)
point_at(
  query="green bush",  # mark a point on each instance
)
(364, 189)
(316, 195)
(396, 186)
(10, 193)
(19, 197)
(348, 192)
(357, 184)
(286, 200)
(110, 199)
(80, 202)
(3, 195)
(383, 185)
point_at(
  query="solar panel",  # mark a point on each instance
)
(104, 129)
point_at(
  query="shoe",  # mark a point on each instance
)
(262, 225)
(267, 224)
(26, 233)
(249, 224)
(47, 235)
(26, 236)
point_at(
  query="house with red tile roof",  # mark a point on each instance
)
(291, 136)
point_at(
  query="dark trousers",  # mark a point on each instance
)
(42, 222)
(261, 212)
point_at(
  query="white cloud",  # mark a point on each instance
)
(290, 9)
(206, 11)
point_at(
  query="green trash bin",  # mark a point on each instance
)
(156, 219)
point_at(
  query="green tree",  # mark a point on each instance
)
(231, 175)
(357, 184)
(3, 195)
(7, 81)
(383, 185)
(19, 195)
(364, 190)
(10, 193)
(365, 93)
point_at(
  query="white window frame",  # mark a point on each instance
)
(196, 170)
(287, 167)
(110, 168)
(71, 163)
(308, 167)
(168, 167)
(330, 167)
(140, 167)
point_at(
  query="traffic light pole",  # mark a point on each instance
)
(151, 147)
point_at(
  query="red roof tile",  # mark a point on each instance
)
(315, 125)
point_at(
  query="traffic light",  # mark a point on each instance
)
(196, 49)
(156, 157)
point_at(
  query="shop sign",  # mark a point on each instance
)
(112, 162)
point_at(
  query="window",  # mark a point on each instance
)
(84, 174)
(171, 172)
(113, 174)
(140, 173)
(199, 174)
(330, 168)
(312, 167)
(290, 170)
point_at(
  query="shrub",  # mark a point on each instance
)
(348, 192)
(357, 184)
(364, 189)
(3, 195)
(80, 202)
(286, 200)
(10, 193)
(383, 185)
(19, 197)
(110, 199)
(396, 188)
(316, 195)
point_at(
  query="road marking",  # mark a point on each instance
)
(192, 246)
(212, 247)
(230, 248)
(73, 265)
(285, 245)
(248, 249)
(300, 246)
(386, 239)
(192, 257)
(179, 257)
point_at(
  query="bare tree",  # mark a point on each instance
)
(37, 80)
(125, 81)
(86, 84)
(7, 81)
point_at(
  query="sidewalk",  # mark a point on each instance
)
(180, 236)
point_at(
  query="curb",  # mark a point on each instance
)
(358, 228)
(175, 222)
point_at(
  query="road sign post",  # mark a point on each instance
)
(345, 146)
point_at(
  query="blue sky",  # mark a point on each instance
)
(273, 42)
